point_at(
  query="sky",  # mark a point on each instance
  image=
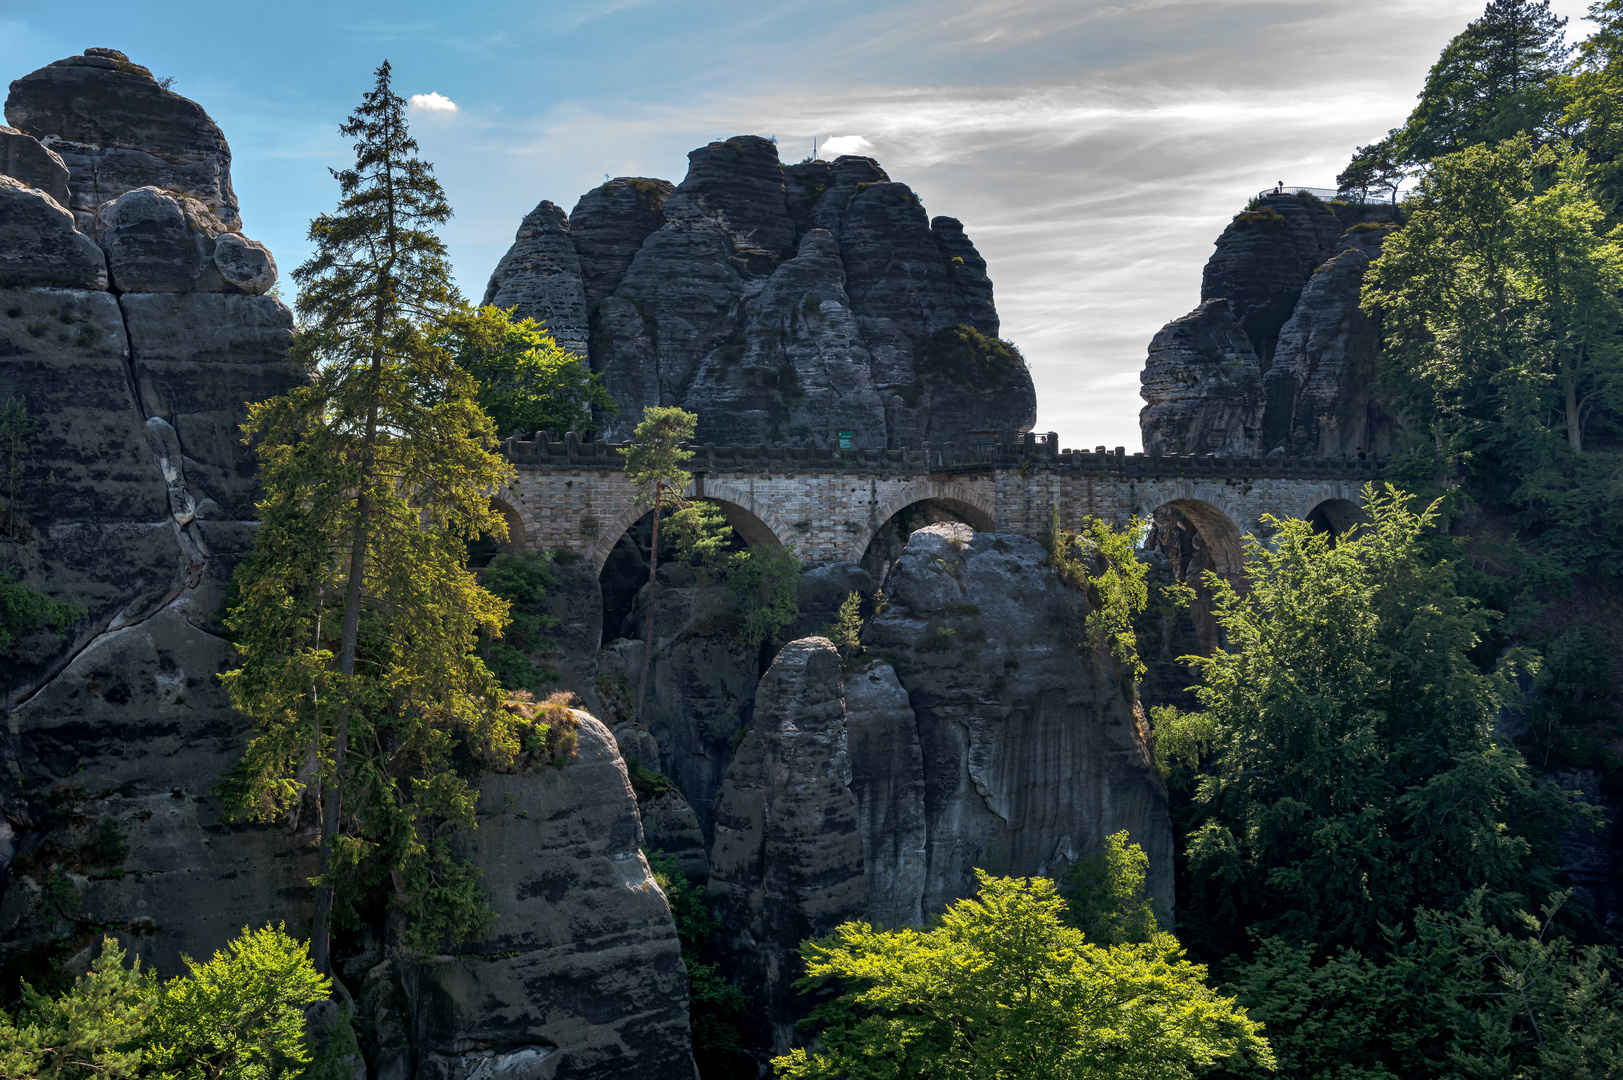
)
(1093, 150)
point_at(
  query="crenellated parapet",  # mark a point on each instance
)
(546, 451)
(572, 495)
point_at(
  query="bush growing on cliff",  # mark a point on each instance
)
(1003, 989)
(1104, 564)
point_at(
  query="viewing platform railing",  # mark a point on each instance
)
(1374, 198)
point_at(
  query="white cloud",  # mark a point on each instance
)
(433, 103)
(831, 148)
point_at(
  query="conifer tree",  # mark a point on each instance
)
(1493, 81)
(357, 622)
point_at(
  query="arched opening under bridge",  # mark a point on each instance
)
(625, 571)
(891, 536)
(486, 547)
(1191, 538)
(1335, 516)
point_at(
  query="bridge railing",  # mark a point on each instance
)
(1027, 449)
(1369, 198)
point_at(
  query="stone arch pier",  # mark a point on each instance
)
(830, 504)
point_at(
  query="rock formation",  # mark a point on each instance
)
(1030, 753)
(780, 303)
(582, 965)
(116, 128)
(787, 860)
(136, 329)
(1278, 354)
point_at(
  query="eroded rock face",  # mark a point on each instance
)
(1285, 281)
(25, 160)
(887, 779)
(1031, 755)
(540, 278)
(1202, 386)
(608, 227)
(157, 242)
(786, 862)
(582, 973)
(40, 246)
(782, 304)
(701, 692)
(1323, 390)
(116, 129)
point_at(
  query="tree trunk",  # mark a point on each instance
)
(333, 796)
(1575, 426)
(648, 619)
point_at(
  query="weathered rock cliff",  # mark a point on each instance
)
(1030, 753)
(781, 303)
(1278, 354)
(786, 863)
(136, 330)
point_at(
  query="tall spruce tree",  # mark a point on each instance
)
(357, 622)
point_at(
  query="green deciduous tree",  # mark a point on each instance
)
(1105, 894)
(241, 1015)
(1501, 303)
(527, 381)
(357, 622)
(1003, 989)
(1354, 776)
(655, 462)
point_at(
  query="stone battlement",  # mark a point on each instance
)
(544, 450)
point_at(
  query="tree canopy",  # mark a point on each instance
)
(527, 381)
(1003, 988)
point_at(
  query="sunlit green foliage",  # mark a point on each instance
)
(846, 630)
(357, 621)
(1003, 989)
(1103, 563)
(527, 381)
(1105, 894)
(240, 1015)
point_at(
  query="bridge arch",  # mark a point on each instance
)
(1335, 516)
(940, 501)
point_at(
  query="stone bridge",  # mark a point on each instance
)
(830, 504)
